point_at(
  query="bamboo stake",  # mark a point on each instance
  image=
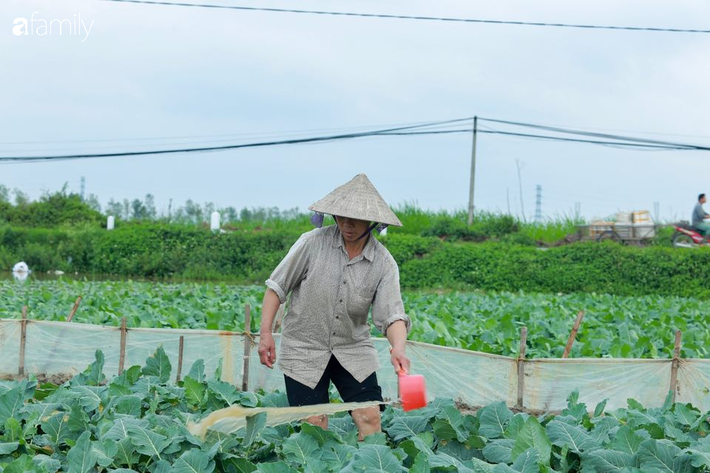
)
(521, 366)
(122, 353)
(573, 334)
(675, 365)
(23, 341)
(73, 310)
(247, 347)
(181, 346)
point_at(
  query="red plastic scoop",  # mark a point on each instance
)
(412, 391)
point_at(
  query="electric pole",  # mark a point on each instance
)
(520, 189)
(83, 186)
(473, 171)
(538, 204)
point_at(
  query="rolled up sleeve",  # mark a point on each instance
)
(387, 306)
(291, 270)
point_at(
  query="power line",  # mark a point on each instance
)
(594, 134)
(422, 18)
(293, 141)
(443, 127)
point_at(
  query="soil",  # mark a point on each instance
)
(58, 378)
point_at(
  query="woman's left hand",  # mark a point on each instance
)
(399, 360)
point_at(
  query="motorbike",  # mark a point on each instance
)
(687, 236)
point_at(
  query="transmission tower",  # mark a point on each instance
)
(538, 204)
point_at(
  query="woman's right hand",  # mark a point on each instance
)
(267, 350)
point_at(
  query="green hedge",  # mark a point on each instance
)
(163, 251)
(585, 267)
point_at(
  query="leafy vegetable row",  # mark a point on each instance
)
(136, 422)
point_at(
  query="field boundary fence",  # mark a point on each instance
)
(59, 350)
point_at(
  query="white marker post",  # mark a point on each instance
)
(214, 222)
(110, 222)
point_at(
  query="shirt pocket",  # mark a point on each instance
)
(359, 305)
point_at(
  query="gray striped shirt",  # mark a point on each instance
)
(331, 296)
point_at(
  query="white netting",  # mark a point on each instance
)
(473, 378)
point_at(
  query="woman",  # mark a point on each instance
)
(334, 275)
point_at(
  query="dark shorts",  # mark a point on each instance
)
(349, 388)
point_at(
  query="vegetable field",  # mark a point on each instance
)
(613, 326)
(137, 422)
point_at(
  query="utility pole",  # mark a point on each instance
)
(473, 171)
(507, 198)
(538, 204)
(577, 210)
(657, 212)
(83, 186)
(520, 188)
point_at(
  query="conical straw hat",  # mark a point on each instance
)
(357, 199)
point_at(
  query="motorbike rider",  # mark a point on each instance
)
(699, 216)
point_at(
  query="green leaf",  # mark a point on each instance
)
(147, 442)
(404, 426)
(13, 430)
(223, 391)
(607, 461)
(126, 453)
(449, 425)
(194, 391)
(374, 458)
(572, 436)
(420, 465)
(121, 426)
(254, 426)
(499, 451)
(194, 461)
(515, 424)
(56, 428)
(158, 365)
(493, 419)
(299, 447)
(46, 463)
(599, 410)
(91, 397)
(700, 453)
(685, 415)
(94, 373)
(274, 467)
(197, 372)
(24, 464)
(8, 447)
(322, 436)
(82, 458)
(10, 403)
(664, 456)
(237, 465)
(533, 435)
(105, 451)
(338, 455)
(626, 440)
(528, 462)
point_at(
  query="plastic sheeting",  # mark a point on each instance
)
(473, 378)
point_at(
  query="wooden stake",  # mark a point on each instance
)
(521, 366)
(675, 365)
(180, 350)
(122, 353)
(247, 347)
(73, 310)
(23, 341)
(573, 334)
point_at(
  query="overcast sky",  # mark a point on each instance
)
(161, 76)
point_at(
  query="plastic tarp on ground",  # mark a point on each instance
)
(472, 378)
